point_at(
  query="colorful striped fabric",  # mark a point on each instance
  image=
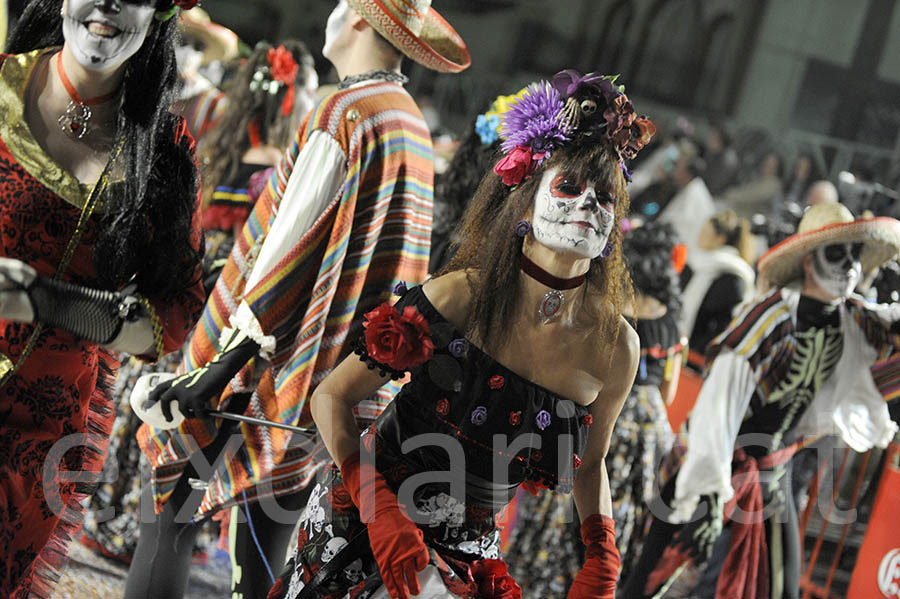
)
(375, 233)
(202, 111)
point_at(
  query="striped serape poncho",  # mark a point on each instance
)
(348, 213)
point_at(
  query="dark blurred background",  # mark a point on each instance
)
(820, 77)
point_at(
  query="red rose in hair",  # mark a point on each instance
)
(399, 341)
(492, 580)
(518, 165)
(186, 4)
(284, 67)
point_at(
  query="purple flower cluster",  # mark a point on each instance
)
(534, 120)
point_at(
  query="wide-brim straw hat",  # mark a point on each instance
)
(221, 43)
(825, 224)
(417, 30)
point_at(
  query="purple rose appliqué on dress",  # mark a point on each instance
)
(400, 288)
(479, 415)
(542, 419)
(458, 348)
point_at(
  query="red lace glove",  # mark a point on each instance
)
(397, 544)
(597, 577)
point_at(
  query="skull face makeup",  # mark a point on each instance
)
(103, 34)
(572, 216)
(836, 268)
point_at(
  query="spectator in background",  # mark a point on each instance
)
(718, 278)
(756, 195)
(722, 161)
(651, 173)
(803, 175)
(202, 42)
(821, 192)
(692, 204)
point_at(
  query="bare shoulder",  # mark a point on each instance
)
(451, 295)
(616, 358)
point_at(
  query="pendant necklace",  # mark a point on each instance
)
(552, 303)
(74, 122)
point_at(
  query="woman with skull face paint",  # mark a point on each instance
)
(520, 361)
(100, 246)
(795, 363)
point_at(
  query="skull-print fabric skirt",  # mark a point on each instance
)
(333, 560)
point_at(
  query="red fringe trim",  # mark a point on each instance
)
(224, 218)
(48, 565)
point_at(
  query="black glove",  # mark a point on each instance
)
(194, 390)
(698, 536)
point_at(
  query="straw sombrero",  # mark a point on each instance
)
(417, 30)
(825, 224)
(221, 43)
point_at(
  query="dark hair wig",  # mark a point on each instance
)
(456, 186)
(145, 231)
(648, 253)
(489, 246)
(229, 141)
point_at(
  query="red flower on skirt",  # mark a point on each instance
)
(496, 382)
(492, 580)
(399, 341)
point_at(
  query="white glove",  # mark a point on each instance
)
(15, 278)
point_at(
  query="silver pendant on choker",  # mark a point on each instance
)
(74, 122)
(551, 305)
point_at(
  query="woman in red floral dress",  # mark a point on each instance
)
(519, 361)
(100, 252)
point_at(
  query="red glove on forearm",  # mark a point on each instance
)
(397, 544)
(597, 577)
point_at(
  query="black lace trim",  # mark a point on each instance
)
(359, 348)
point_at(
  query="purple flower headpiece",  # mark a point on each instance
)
(570, 106)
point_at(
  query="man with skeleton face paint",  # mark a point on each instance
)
(795, 363)
(99, 253)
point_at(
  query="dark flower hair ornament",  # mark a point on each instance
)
(166, 14)
(570, 107)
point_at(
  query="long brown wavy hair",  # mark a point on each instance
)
(221, 154)
(490, 247)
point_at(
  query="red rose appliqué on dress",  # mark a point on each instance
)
(496, 382)
(399, 341)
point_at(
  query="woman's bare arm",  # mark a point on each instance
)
(332, 405)
(591, 492)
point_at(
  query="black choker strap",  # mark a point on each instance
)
(378, 75)
(542, 276)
